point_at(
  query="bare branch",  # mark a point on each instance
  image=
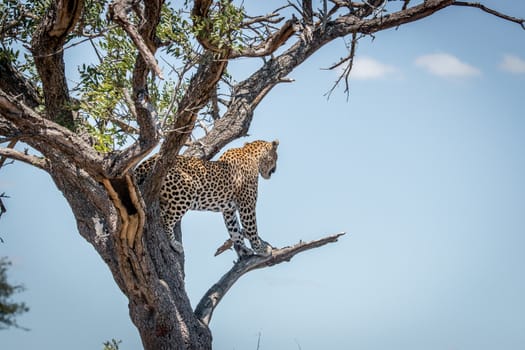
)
(269, 18)
(346, 72)
(214, 295)
(248, 93)
(269, 45)
(130, 103)
(482, 7)
(24, 157)
(308, 12)
(237, 119)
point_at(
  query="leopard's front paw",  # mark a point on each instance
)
(264, 249)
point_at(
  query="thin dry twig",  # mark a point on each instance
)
(348, 68)
(486, 9)
(10, 145)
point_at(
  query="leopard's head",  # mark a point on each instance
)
(268, 161)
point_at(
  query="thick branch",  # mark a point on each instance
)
(121, 162)
(237, 119)
(143, 110)
(214, 295)
(201, 88)
(248, 93)
(49, 138)
(345, 25)
(47, 48)
(15, 84)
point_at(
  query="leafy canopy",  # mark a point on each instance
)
(103, 96)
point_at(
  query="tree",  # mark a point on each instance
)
(89, 138)
(9, 310)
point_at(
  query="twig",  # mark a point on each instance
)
(347, 69)
(269, 18)
(259, 341)
(519, 21)
(214, 295)
(3, 209)
(11, 145)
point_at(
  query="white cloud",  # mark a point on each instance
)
(446, 65)
(366, 68)
(513, 64)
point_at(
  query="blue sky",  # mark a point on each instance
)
(423, 167)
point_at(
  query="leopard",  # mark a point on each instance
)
(228, 185)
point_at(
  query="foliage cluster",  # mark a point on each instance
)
(103, 96)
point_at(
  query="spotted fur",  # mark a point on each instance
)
(228, 185)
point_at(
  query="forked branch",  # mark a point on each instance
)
(214, 295)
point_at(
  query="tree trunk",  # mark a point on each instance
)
(111, 216)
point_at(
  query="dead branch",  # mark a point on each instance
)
(269, 18)
(308, 12)
(10, 153)
(349, 60)
(486, 9)
(272, 43)
(214, 295)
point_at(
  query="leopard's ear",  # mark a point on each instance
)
(275, 143)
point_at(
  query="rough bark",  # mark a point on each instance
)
(121, 221)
